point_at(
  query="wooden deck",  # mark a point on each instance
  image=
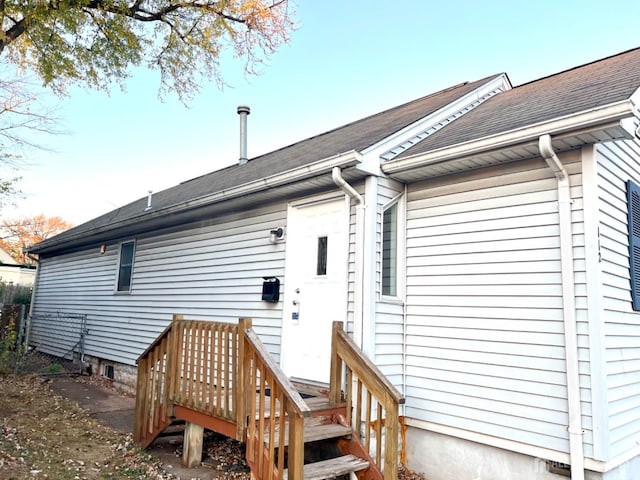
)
(220, 376)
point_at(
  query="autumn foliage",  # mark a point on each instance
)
(96, 42)
(21, 233)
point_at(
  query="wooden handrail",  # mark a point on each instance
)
(375, 400)
(276, 415)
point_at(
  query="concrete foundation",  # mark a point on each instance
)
(443, 457)
(124, 377)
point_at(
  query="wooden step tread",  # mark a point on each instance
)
(313, 433)
(333, 467)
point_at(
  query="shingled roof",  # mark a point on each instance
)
(355, 136)
(579, 89)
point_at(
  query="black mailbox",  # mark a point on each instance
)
(271, 289)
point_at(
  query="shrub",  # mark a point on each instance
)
(8, 348)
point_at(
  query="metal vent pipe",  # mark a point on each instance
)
(244, 112)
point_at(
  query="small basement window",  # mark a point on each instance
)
(125, 266)
(109, 371)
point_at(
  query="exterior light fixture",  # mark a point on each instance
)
(276, 234)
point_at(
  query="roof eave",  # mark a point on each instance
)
(592, 119)
(141, 223)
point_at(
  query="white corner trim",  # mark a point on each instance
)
(595, 310)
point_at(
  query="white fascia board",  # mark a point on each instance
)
(371, 155)
(589, 118)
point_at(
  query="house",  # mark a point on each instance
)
(14, 273)
(475, 242)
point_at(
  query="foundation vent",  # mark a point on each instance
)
(559, 468)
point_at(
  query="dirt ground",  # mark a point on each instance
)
(46, 436)
(43, 435)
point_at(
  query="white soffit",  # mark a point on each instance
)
(508, 154)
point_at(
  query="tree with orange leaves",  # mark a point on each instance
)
(20, 233)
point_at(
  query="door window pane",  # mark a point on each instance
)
(321, 264)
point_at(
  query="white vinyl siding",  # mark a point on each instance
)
(485, 342)
(211, 272)
(389, 328)
(616, 163)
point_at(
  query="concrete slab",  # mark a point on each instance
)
(111, 408)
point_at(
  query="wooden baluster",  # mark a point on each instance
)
(379, 434)
(335, 379)
(273, 415)
(349, 399)
(282, 424)
(261, 414)
(367, 424)
(226, 371)
(199, 360)
(219, 371)
(163, 377)
(358, 406)
(252, 406)
(154, 387)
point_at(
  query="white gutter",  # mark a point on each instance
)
(576, 449)
(289, 176)
(589, 118)
(358, 301)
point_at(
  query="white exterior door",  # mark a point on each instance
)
(315, 292)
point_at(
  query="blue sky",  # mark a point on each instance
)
(346, 60)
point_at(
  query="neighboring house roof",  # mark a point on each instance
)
(6, 258)
(353, 137)
(605, 82)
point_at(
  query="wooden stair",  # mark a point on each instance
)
(334, 467)
(324, 432)
(220, 376)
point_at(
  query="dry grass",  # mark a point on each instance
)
(44, 436)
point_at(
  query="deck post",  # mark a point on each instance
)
(192, 447)
(391, 439)
(296, 445)
(240, 400)
(335, 379)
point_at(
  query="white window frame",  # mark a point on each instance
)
(399, 203)
(120, 266)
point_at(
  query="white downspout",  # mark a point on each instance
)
(576, 449)
(358, 306)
